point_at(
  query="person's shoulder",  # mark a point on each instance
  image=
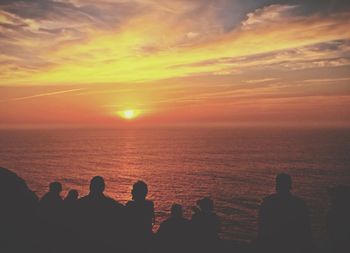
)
(44, 196)
(31, 196)
(210, 216)
(112, 202)
(83, 200)
(196, 216)
(270, 198)
(117, 204)
(269, 201)
(109, 199)
(167, 222)
(149, 203)
(184, 221)
(298, 201)
(130, 203)
(215, 216)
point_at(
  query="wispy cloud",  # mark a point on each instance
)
(268, 15)
(327, 80)
(262, 80)
(44, 94)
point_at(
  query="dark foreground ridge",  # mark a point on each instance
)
(97, 223)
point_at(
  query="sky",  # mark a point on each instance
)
(87, 62)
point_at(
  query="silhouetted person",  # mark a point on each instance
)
(173, 234)
(205, 225)
(51, 214)
(52, 198)
(72, 196)
(140, 216)
(69, 221)
(51, 204)
(284, 224)
(18, 220)
(338, 219)
(100, 219)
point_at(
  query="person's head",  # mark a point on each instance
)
(206, 204)
(55, 187)
(176, 211)
(97, 185)
(283, 183)
(72, 195)
(139, 190)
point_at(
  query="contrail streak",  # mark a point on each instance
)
(43, 94)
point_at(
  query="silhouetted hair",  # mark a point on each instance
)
(139, 190)
(55, 187)
(97, 185)
(283, 183)
(206, 204)
(176, 210)
(72, 195)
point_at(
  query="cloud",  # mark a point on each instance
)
(60, 42)
(320, 55)
(267, 15)
(44, 94)
(327, 80)
(262, 80)
(192, 35)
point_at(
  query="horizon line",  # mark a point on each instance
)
(131, 125)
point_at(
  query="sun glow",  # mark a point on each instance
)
(129, 114)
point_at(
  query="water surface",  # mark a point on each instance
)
(234, 166)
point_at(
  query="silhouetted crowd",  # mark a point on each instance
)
(98, 223)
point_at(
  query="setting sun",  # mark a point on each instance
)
(129, 114)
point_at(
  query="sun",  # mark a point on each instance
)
(129, 114)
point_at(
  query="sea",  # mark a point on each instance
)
(235, 166)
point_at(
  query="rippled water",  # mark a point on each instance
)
(235, 166)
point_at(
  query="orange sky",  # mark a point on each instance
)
(77, 62)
